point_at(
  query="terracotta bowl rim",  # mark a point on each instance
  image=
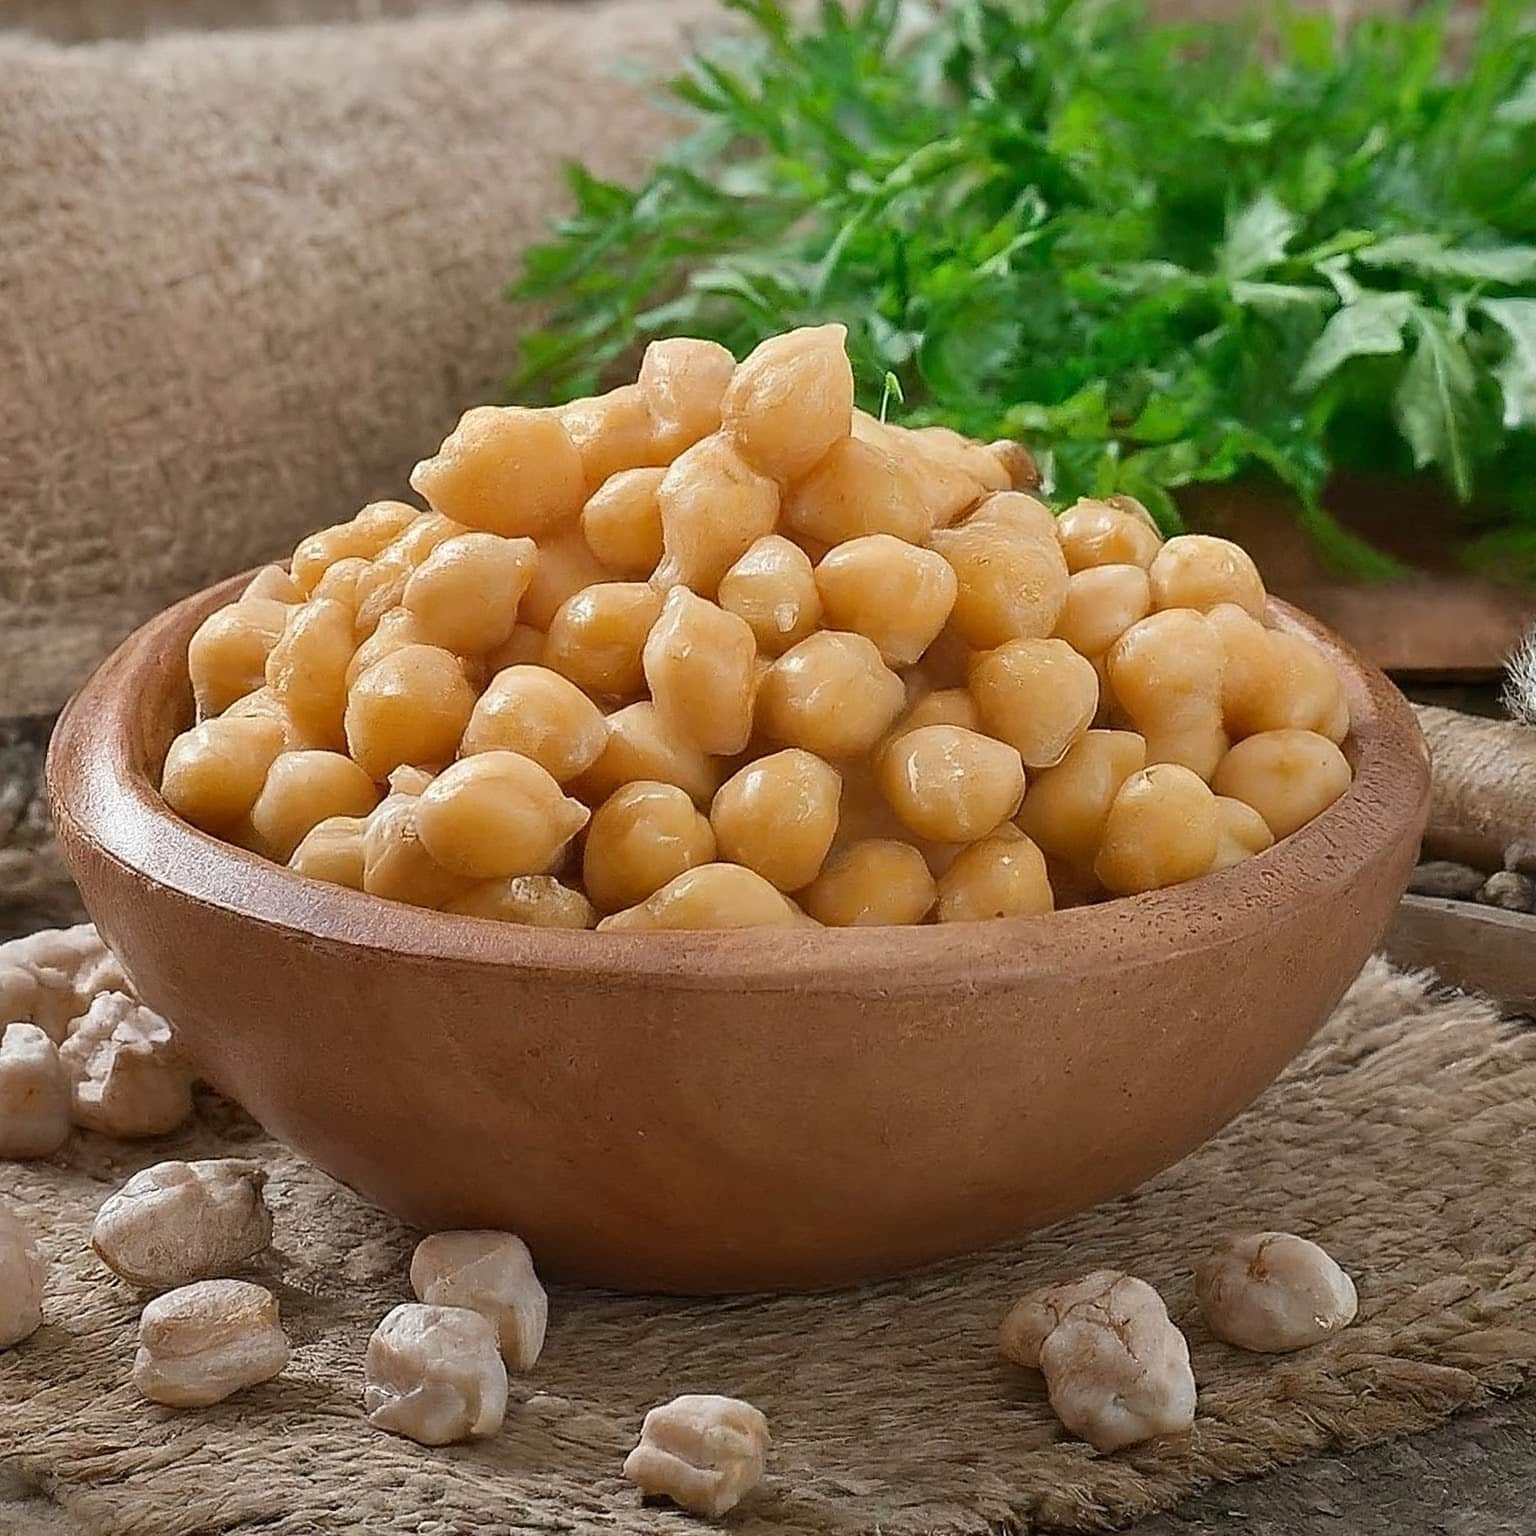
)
(106, 795)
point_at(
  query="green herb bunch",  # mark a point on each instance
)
(1160, 254)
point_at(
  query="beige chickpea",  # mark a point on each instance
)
(1162, 829)
(997, 877)
(332, 851)
(263, 704)
(524, 647)
(363, 537)
(714, 506)
(466, 592)
(1275, 681)
(1014, 509)
(1198, 571)
(411, 707)
(700, 665)
(778, 816)
(1287, 776)
(621, 522)
(273, 583)
(773, 587)
(346, 583)
(1066, 807)
(856, 490)
(597, 636)
(307, 668)
(683, 381)
(1166, 673)
(505, 469)
(891, 592)
(873, 883)
(1102, 533)
(710, 896)
(1017, 463)
(397, 866)
(227, 656)
(379, 590)
(565, 567)
(951, 785)
(396, 629)
(790, 400)
(542, 715)
(1103, 602)
(941, 706)
(1011, 582)
(642, 836)
(954, 474)
(1039, 696)
(1241, 833)
(534, 901)
(214, 772)
(830, 694)
(641, 745)
(612, 433)
(302, 790)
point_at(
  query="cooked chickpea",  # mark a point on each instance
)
(332, 851)
(873, 883)
(1102, 603)
(778, 816)
(830, 694)
(1275, 681)
(466, 592)
(273, 583)
(380, 588)
(641, 837)
(307, 668)
(641, 745)
(395, 864)
(700, 665)
(1241, 833)
(891, 592)
(683, 380)
(1166, 672)
(1162, 829)
(263, 704)
(1104, 533)
(1039, 696)
(856, 490)
(942, 706)
(773, 587)
(790, 400)
(1028, 514)
(411, 707)
(303, 789)
(1198, 571)
(541, 715)
(1017, 463)
(997, 877)
(524, 647)
(1011, 583)
(396, 629)
(714, 506)
(621, 522)
(505, 469)
(1287, 776)
(951, 785)
(597, 636)
(710, 896)
(535, 901)
(951, 480)
(214, 772)
(1066, 807)
(612, 433)
(364, 536)
(227, 657)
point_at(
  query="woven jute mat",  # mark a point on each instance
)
(1403, 1138)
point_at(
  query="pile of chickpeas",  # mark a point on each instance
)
(718, 650)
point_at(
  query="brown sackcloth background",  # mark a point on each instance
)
(1403, 1138)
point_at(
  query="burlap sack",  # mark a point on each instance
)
(247, 278)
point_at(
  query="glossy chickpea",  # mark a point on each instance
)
(1102, 603)
(941, 706)
(1166, 673)
(396, 629)
(714, 506)
(997, 877)
(856, 490)
(263, 704)
(307, 668)
(1103, 533)
(534, 901)
(831, 694)
(612, 433)
(778, 816)
(396, 865)
(272, 583)
(214, 772)
(1162, 829)
(790, 400)
(1014, 509)
(303, 789)
(1066, 807)
(411, 707)
(380, 589)
(711, 896)
(889, 591)
(524, 647)
(565, 567)
(700, 667)
(540, 714)
(1017, 463)
(641, 745)
(332, 851)
(1039, 696)
(951, 785)
(773, 587)
(363, 537)
(951, 479)
(1011, 583)
(507, 470)
(345, 583)
(621, 522)
(1198, 571)
(598, 634)
(1240, 833)
(644, 835)
(466, 592)
(227, 656)
(872, 883)
(1275, 681)
(683, 381)
(1287, 776)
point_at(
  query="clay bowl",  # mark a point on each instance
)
(725, 1111)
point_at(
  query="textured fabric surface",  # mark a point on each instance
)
(1402, 1139)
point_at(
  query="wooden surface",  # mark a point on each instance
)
(1479, 948)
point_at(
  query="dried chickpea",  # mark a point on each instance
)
(951, 785)
(540, 714)
(411, 707)
(505, 469)
(1012, 583)
(496, 814)
(778, 816)
(1275, 681)
(710, 896)
(1039, 696)
(873, 883)
(641, 745)
(332, 850)
(1065, 808)
(612, 433)
(1287, 776)
(307, 668)
(1162, 829)
(524, 647)
(302, 790)
(274, 583)
(1166, 672)
(773, 587)
(891, 592)
(535, 901)
(396, 629)
(642, 836)
(227, 657)
(1241, 832)
(830, 694)
(1106, 533)
(790, 400)
(1102, 603)
(700, 666)
(466, 592)
(714, 507)
(621, 522)
(214, 772)
(1198, 571)
(997, 877)
(683, 380)
(596, 637)
(857, 489)
(397, 866)
(363, 537)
